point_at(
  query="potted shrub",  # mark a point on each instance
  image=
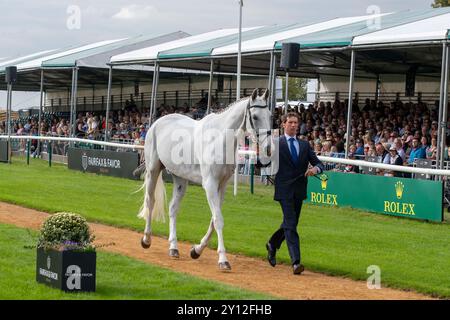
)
(66, 257)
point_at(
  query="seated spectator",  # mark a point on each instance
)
(20, 130)
(417, 152)
(142, 132)
(351, 155)
(399, 146)
(359, 152)
(326, 148)
(431, 150)
(424, 143)
(333, 152)
(395, 159)
(318, 148)
(372, 152)
(382, 153)
(79, 130)
(447, 154)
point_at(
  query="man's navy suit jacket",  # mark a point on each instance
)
(290, 180)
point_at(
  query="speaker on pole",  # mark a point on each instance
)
(11, 74)
(290, 56)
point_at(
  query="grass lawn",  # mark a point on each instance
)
(118, 277)
(337, 241)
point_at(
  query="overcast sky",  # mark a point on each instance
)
(29, 26)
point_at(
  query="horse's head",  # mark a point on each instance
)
(258, 123)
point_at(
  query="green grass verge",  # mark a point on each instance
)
(337, 241)
(118, 277)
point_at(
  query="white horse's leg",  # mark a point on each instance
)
(214, 196)
(197, 250)
(179, 189)
(149, 202)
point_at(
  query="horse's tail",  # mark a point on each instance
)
(159, 207)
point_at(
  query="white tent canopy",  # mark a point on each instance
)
(151, 53)
(268, 42)
(434, 28)
(37, 63)
(14, 61)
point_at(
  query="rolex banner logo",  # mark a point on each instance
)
(400, 208)
(323, 181)
(399, 189)
(84, 161)
(49, 262)
(324, 197)
(401, 197)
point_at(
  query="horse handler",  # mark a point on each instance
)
(290, 189)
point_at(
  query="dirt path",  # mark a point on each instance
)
(248, 273)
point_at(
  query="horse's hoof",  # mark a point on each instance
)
(194, 254)
(145, 245)
(174, 253)
(224, 266)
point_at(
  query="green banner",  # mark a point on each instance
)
(111, 163)
(410, 198)
(3, 151)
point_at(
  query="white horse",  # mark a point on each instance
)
(197, 151)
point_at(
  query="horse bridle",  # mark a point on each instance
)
(252, 127)
(249, 115)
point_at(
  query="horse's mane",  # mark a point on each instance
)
(231, 105)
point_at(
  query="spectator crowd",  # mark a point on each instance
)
(391, 133)
(394, 133)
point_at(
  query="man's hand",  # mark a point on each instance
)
(311, 172)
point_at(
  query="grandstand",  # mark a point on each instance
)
(14, 115)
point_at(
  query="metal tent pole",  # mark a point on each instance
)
(269, 85)
(444, 108)
(211, 75)
(238, 83)
(40, 111)
(108, 102)
(75, 101)
(440, 137)
(152, 95)
(155, 91)
(274, 81)
(286, 92)
(8, 118)
(350, 103)
(71, 121)
(239, 58)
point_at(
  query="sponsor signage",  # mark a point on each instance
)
(118, 164)
(410, 198)
(66, 270)
(3, 151)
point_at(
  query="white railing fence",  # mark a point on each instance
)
(251, 155)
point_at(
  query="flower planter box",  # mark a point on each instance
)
(67, 270)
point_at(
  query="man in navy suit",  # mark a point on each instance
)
(290, 189)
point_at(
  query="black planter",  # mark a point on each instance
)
(66, 270)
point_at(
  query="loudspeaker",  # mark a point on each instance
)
(220, 83)
(10, 74)
(289, 55)
(410, 82)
